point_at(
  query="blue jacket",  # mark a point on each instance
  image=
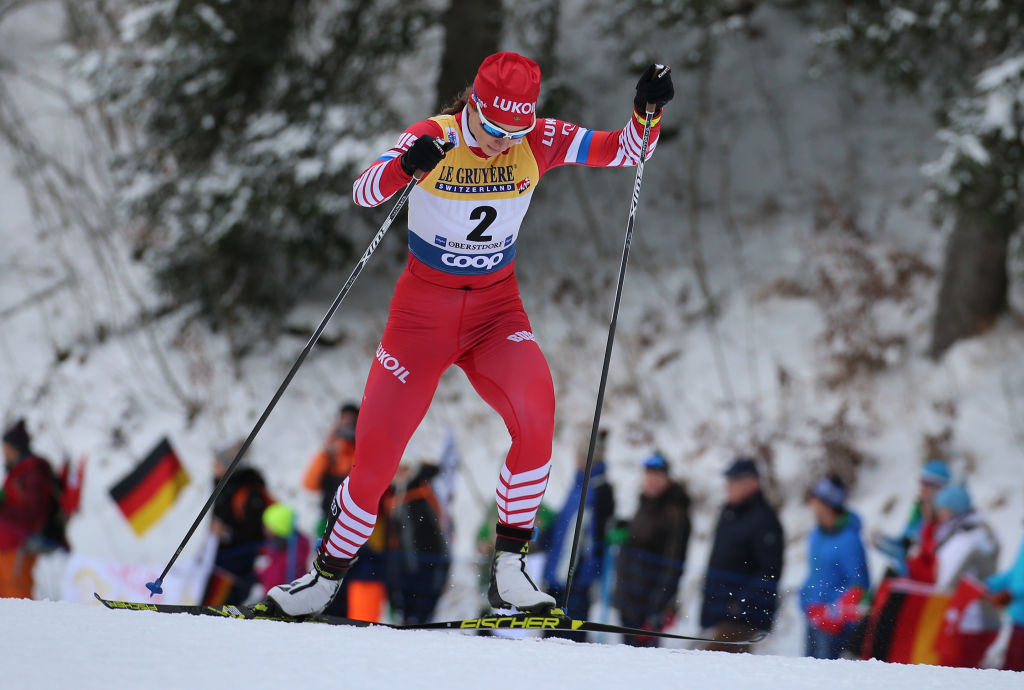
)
(597, 513)
(896, 547)
(1013, 581)
(836, 562)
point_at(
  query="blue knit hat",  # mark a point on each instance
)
(830, 492)
(656, 462)
(936, 473)
(954, 498)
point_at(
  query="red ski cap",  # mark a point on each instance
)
(506, 87)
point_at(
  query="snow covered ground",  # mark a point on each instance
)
(49, 645)
(93, 379)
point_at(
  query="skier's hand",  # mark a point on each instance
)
(655, 87)
(424, 154)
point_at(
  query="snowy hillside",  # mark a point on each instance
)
(807, 227)
(134, 650)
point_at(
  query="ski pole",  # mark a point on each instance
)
(156, 587)
(608, 351)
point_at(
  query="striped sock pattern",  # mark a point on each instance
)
(519, 495)
(352, 528)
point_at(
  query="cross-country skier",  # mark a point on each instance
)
(457, 302)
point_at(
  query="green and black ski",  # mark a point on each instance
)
(554, 620)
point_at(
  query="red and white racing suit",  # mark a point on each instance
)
(457, 302)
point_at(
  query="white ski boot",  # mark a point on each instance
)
(511, 586)
(311, 593)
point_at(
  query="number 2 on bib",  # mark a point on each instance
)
(486, 214)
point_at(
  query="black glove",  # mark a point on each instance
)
(655, 86)
(424, 154)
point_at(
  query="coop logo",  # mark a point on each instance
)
(486, 262)
(391, 363)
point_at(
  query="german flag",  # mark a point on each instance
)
(151, 488)
(905, 623)
(219, 588)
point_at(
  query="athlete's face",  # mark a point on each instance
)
(492, 146)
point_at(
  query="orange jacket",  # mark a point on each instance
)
(334, 459)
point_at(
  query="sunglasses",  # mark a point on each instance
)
(495, 131)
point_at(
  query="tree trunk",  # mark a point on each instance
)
(974, 285)
(472, 32)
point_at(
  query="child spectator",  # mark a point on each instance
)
(286, 552)
(837, 571)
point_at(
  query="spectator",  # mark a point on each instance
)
(238, 524)
(363, 594)
(918, 537)
(598, 514)
(651, 560)
(966, 547)
(1007, 589)
(332, 463)
(26, 501)
(417, 558)
(837, 571)
(286, 552)
(741, 585)
(330, 466)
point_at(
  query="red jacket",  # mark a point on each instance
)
(282, 566)
(921, 565)
(27, 493)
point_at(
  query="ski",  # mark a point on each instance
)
(554, 620)
(228, 611)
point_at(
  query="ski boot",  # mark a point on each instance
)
(511, 586)
(310, 594)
